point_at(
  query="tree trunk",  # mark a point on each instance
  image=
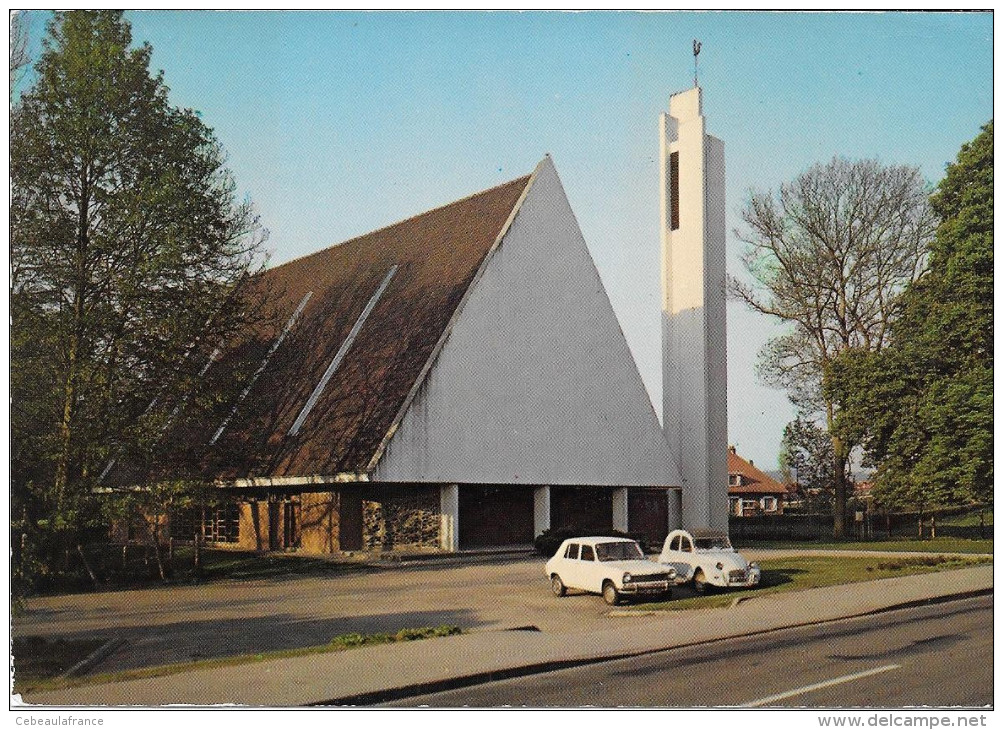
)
(64, 462)
(839, 489)
(198, 556)
(87, 565)
(156, 554)
(155, 543)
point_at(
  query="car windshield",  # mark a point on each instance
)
(619, 551)
(713, 542)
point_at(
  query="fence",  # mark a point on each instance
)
(960, 522)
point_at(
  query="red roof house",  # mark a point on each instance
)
(752, 491)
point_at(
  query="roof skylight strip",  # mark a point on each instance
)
(184, 399)
(342, 351)
(261, 368)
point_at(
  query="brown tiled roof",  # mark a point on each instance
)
(754, 481)
(437, 255)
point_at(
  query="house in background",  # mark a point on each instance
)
(752, 491)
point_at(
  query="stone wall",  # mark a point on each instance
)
(396, 517)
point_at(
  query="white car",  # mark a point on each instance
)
(612, 566)
(707, 558)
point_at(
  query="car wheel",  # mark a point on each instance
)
(700, 584)
(557, 586)
(609, 593)
(667, 596)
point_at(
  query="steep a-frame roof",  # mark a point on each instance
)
(356, 328)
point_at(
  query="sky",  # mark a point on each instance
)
(340, 123)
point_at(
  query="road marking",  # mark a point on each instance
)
(819, 685)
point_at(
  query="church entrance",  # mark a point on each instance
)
(496, 515)
(648, 515)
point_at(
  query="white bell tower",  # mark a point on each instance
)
(694, 321)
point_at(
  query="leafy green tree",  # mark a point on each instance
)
(127, 243)
(923, 406)
(806, 458)
(827, 256)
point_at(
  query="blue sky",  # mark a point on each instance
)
(339, 123)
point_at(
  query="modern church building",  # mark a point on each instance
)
(460, 380)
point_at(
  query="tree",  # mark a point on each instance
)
(827, 256)
(127, 244)
(923, 406)
(806, 458)
(19, 59)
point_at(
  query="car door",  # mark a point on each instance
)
(688, 555)
(591, 570)
(570, 569)
(679, 555)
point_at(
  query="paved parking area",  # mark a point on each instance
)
(184, 623)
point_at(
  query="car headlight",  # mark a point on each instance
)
(720, 566)
(671, 574)
(754, 566)
(627, 577)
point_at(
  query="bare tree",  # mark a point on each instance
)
(828, 256)
(18, 48)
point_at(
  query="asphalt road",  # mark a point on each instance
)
(939, 655)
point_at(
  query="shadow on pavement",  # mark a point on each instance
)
(187, 641)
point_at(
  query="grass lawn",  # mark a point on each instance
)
(219, 564)
(968, 519)
(934, 545)
(793, 574)
(26, 681)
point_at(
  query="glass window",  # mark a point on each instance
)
(607, 551)
(218, 524)
(713, 542)
(676, 543)
(686, 546)
(588, 553)
(572, 552)
(674, 190)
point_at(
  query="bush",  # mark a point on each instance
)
(547, 542)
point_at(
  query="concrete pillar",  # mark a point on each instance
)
(675, 509)
(694, 345)
(449, 517)
(620, 508)
(541, 510)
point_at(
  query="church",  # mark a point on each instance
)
(459, 380)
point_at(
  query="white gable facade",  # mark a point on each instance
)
(535, 383)
(533, 392)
